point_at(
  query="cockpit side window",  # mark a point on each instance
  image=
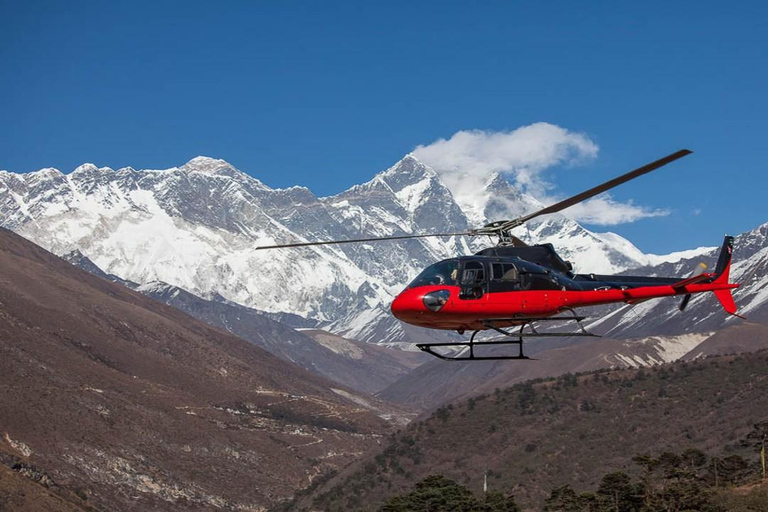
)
(474, 273)
(505, 272)
(441, 273)
(506, 278)
(473, 281)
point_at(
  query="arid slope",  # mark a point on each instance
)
(134, 405)
(533, 437)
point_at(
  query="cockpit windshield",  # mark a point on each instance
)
(444, 272)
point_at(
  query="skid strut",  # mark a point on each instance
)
(510, 338)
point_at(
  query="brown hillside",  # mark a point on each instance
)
(23, 488)
(436, 383)
(736, 339)
(137, 406)
(534, 437)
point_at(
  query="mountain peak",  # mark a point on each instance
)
(85, 168)
(410, 163)
(47, 172)
(498, 181)
(217, 167)
(408, 171)
(205, 164)
(410, 157)
(208, 165)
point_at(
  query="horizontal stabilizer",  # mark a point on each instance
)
(691, 280)
(726, 299)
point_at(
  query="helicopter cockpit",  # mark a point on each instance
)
(477, 275)
(444, 272)
(470, 274)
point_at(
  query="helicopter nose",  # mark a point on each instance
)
(408, 306)
(415, 306)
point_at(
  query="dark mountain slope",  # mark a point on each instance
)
(138, 406)
(532, 438)
(375, 366)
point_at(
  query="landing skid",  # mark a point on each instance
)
(511, 338)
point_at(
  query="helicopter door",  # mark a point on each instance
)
(505, 278)
(473, 281)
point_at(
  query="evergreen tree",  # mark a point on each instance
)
(562, 499)
(617, 490)
(497, 502)
(437, 493)
(526, 398)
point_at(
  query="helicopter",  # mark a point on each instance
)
(516, 286)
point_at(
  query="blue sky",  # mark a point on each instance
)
(326, 94)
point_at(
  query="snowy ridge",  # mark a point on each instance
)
(704, 313)
(633, 252)
(196, 226)
(657, 350)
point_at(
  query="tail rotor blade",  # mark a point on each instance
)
(685, 302)
(700, 268)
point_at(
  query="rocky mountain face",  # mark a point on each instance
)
(112, 400)
(196, 227)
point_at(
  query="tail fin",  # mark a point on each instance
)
(722, 272)
(724, 261)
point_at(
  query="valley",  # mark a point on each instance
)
(122, 383)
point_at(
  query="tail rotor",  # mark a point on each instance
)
(700, 269)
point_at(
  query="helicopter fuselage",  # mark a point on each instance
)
(509, 285)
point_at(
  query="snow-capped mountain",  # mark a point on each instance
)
(196, 227)
(704, 313)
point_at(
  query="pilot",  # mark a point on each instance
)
(510, 275)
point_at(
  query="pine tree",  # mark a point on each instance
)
(437, 493)
(562, 499)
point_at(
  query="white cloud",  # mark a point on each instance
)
(604, 211)
(469, 158)
(521, 154)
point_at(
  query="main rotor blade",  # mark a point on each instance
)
(357, 240)
(562, 205)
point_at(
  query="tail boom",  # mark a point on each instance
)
(716, 282)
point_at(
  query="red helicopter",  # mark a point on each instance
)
(516, 285)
